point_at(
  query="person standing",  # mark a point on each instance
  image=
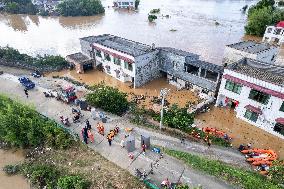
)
(109, 139)
(88, 125)
(91, 136)
(209, 142)
(26, 92)
(143, 148)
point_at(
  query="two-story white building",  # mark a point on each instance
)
(255, 90)
(123, 59)
(274, 34)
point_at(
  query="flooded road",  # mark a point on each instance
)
(241, 131)
(11, 182)
(151, 89)
(193, 20)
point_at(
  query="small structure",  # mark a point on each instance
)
(130, 144)
(80, 62)
(274, 34)
(130, 4)
(146, 140)
(255, 90)
(250, 49)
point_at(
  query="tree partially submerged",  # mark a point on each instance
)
(80, 7)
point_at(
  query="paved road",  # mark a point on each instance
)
(167, 167)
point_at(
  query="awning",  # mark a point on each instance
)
(253, 109)
(280, 120)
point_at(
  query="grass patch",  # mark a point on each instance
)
(236, 176)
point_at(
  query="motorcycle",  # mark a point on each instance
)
(140, 175)
(48, 94)
(64, 121)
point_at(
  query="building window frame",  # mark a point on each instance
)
(98, 53)
(128, 66)
(259, 96)
(279, 128)
(107, 57)
(116, 61)
(250, 115)
(233, 87)
(282, 107)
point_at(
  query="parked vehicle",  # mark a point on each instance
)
(66, 95)
(36, 74)
(27, 83)
(64, 121)
(48, 94)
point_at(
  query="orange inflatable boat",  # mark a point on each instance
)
(263, 155)
(215, 132)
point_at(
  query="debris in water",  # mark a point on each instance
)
(217, 23)
(173, 30)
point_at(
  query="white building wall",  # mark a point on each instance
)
(271, 36)
(124, 3)
(270, 112)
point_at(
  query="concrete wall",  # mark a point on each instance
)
(147, 68)
(270, 112)
(86, 48)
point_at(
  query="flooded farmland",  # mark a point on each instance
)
(191, 26)
(11, 182)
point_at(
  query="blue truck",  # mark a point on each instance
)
(27, 83)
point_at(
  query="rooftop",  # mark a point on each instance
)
(78, 57)
(260, 70)
(204, 65)
(120, 44)
(251, 46)
(178, 52)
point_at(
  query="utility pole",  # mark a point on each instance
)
(163, 93)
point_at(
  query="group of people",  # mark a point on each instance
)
(87, 133)
(111, 134)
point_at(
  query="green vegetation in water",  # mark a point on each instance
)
(19, 6)
(11, 169)
(155, 11)
(80, 7)
(11, 55)
(22, 126)
(237, 176)
(152, 17)
(45, 175)
(262, 15)
(108, 98)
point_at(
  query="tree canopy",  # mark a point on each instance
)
(80, 8)
(19, 6)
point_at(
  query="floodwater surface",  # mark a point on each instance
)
(191, 27)
(11, 182)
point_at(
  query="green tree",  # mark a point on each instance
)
(80, 7)
(72, 182)
(260, 5)
(152, 17)
(258, 21)
(108, 98)
(12, 8)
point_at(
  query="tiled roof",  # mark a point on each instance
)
(78, 57)
(260, 70)
(178, 52)
(251, 46)
(120, 44)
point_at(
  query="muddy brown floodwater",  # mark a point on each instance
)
(11, 182)
(242, 132)
(151, 89)
(191, 27)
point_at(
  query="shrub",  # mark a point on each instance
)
(80, 7)
(22, 126)
(276, 172)
(20, 7)
(74, 182)
(108, 98)
(41, 175)
(155, 11)
(152, 17)
(11, 169)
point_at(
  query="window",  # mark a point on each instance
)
(234, 87)
(193, 69)
(174, 79)
(116, 61)
(279, 128)
(282, 107)
(259, 96)
(98, 53)
(251, 115)
(211, 75)
(128, 66)
(131, 3)
(202, 73)
(107, 57)
(269, 30)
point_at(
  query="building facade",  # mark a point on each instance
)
(250, 49)
(274, 34)
(137, 63)
(130, 4)
(255, 90)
